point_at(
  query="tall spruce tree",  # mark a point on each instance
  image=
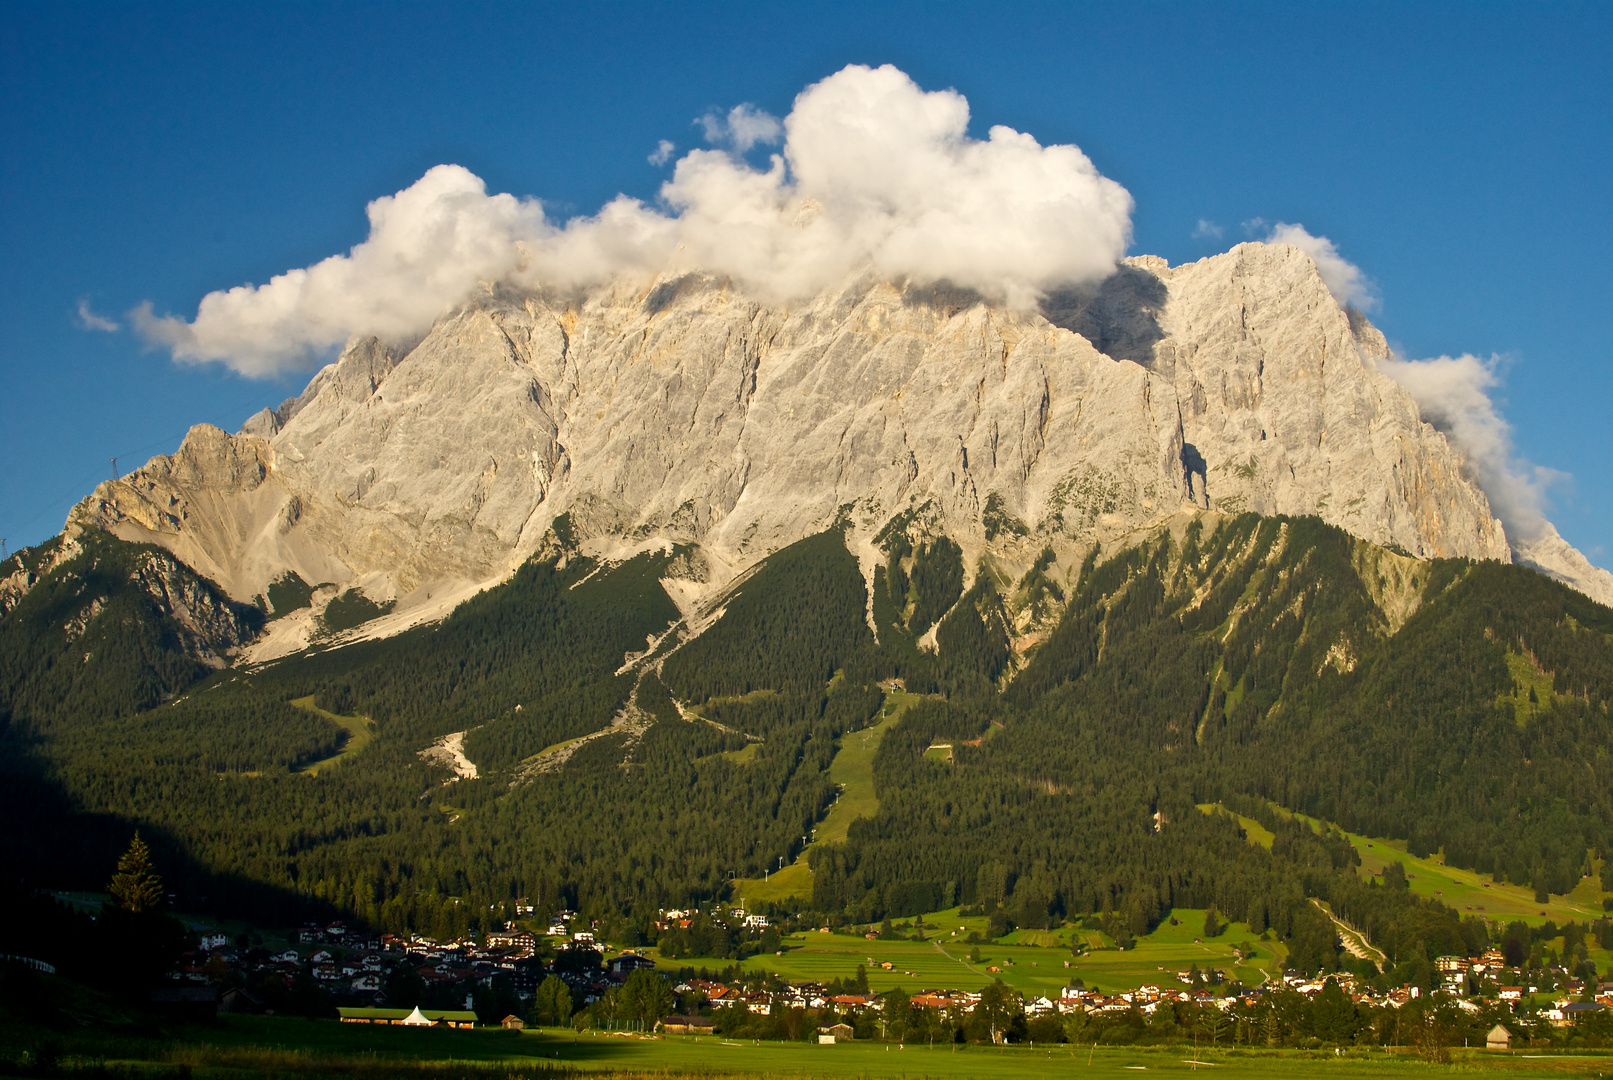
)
(136, 888)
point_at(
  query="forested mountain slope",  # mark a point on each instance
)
(95, 626)
(1265, 657)
(1091, 703)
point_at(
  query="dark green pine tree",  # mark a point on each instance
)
(136, 888)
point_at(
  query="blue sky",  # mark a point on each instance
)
(1459, 154)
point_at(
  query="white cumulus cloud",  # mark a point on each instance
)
(745, 126)
(877, 172)
(663, 152)
(874, 174)
(1207, 230)
(1343, 278)
(1456, 395)
(428, 246)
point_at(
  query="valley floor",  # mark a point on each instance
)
(242, 1046)
(1033, 962)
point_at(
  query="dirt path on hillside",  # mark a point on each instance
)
(449, 752)
(630, 720)
(1355, 942)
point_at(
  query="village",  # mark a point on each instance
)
(494, 979)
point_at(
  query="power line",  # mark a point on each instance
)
(72, 495)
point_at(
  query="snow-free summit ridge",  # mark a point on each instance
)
(684, 411)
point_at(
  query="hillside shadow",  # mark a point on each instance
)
(1119, 315)
(52, 844)
(666, 293)
(942, 297)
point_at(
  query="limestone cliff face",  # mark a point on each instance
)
(686, 411)
(1555, 557)
(1282, 410)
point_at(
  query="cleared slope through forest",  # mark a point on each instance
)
(853, 770)
(1467, 891)
(1355, 942)
(357, 728)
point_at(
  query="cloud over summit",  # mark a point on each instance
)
(428, 246)
(873, 172)
(1455, 395)
(1343, 278)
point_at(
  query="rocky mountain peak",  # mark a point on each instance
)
(682, 410)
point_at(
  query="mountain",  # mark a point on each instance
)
(91, 624)
(1090, 708)
(686, 413)
(1555, 557)
(577, 599)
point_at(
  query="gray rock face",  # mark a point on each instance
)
(20, 578)
(686, 411)
(209, 625)
(1557, 558)
(1279, 411)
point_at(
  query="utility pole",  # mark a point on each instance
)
(114, 470)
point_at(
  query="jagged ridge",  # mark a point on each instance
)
(685, 412)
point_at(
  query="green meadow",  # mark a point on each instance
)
(1478, 894)
(1041, 962)
(1464, 890)
(358, 731)
(1468, 892)
(1034, 962)
(241, 1046)
(853, 770)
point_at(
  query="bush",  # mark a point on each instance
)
(1045, 1029)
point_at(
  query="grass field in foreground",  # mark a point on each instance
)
(1031, 968)
(263, 1043)
(716, 1055)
